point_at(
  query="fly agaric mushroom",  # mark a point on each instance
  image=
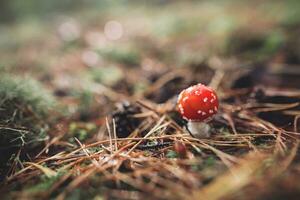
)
(198, 104)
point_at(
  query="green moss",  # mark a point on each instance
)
(24, 107)
(209, 162)
(107, 75)
(82, 131)
(18, 94)
(169, 25)
(171, 154)
(45, 183)
(120, 54)
(257, 46)
(87, 102)
(140, 87)
(272, 43)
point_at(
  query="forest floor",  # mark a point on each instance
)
(88, 102)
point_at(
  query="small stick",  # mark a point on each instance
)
(109, 134)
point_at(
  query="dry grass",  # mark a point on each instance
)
(251, 150)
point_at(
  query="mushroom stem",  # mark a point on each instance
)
(199, 129)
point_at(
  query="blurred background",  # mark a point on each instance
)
(64, 43)
(73, 33)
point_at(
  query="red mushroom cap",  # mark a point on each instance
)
(198, 103)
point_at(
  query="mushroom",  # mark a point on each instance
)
(198, 104)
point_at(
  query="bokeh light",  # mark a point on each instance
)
(113, 30)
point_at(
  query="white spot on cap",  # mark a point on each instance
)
(212, 100)
(211, 111)
(199, 111)
(180, 96)
(180, 107)
(203, 113)
(205, 99)
(197, 92)
(216, 109)
(190, 90)
(185, 98)
(209, 89)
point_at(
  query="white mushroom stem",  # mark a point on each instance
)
(199, 129)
